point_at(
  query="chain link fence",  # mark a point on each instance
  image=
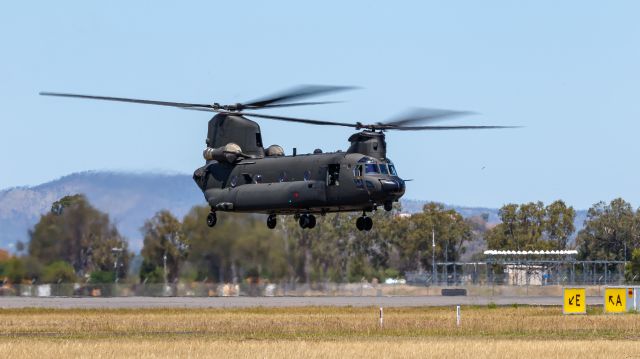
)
(490, 278)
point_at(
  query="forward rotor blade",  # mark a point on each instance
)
(422, 115)
(131, 100)
(296, 93)
(251, 107)
(294, 119)
(445, 128)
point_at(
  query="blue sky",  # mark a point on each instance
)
(567, 71)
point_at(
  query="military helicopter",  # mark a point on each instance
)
(240, 175)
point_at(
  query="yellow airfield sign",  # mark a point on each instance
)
(574, 301)
(615, 299)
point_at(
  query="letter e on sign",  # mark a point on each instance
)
(574, 301)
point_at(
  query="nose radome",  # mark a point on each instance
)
(389, 185)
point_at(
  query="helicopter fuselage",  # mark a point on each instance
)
(301, 184)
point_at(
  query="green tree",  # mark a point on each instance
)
(59, 272)
(14, 270)
(79, 234)
(164, 246)
(450, 229)
(611, 232)
(532, 226)
(238, 247)
(558, 224)
(632, 270)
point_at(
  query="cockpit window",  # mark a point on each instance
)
(371, 168)
(392, 168)
(383, 169)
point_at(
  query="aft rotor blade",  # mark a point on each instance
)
(294, 119)
(422, 115)
(296, 93)
(131, 100)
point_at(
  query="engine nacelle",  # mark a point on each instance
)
(229, 153)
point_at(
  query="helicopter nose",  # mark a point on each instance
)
(392, 185)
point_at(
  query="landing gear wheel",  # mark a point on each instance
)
(312, 221)
(307, 221)
(360, 223)
(272, 221)
(388, 206)
(303, 221)
(212, 219)
(368, 223)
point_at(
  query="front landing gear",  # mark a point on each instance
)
(212, 219)
(272, 221)
(364, 223)
(307, 221)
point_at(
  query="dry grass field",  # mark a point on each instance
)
(503, 332)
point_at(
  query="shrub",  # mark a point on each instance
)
(59, 272)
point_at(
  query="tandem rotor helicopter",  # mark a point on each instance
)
(240, 175)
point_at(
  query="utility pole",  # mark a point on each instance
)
(164, 259)
(434, 271)
(117, 252)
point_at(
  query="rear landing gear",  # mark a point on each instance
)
(271, 221)
(364, 223)
(212, 219)
(307, 221)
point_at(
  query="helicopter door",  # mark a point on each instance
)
(333, 175)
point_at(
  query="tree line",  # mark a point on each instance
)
(75, 242)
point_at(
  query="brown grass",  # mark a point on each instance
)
(317, 332)
(411, 348)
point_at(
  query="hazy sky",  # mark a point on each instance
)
(567, 71)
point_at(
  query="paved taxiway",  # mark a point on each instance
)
(240, 302)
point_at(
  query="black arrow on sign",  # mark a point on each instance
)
(571, 300)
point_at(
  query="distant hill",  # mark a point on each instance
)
(130, 199)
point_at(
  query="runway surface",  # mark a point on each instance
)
(243, 302)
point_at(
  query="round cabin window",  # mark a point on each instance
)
(307, 175)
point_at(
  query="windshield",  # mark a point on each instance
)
(383, 169)
(371, 168)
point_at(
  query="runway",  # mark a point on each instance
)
(245, 302)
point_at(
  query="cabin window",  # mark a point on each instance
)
(333, 175)
(283, 176)
(383, 169)
(307, 175)
(358, 171)
(234, 181)
(257, 178)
